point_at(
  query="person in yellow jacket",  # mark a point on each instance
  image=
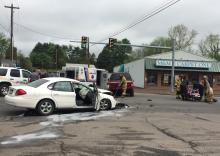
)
(208, 91)
(123, 85)
(177, 85)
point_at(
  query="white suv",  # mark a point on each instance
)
(12, 76)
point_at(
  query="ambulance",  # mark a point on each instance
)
(85, 73)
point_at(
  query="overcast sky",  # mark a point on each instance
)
(70, 19)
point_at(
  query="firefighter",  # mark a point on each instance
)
(207, 90)
(123, 85)
(177, 85)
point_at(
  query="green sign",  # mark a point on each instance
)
(83, 45)
(185, 64)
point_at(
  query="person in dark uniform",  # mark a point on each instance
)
(183, 88)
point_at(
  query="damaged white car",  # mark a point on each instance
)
(47, 94)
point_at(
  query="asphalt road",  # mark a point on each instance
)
(152, 125)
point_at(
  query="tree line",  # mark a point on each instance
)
(53, 56)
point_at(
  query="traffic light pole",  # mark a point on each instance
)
(173, 66)
(87, 49)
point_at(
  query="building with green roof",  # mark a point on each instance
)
(154, 72)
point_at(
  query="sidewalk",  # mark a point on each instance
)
(163, 91)
(153, 91)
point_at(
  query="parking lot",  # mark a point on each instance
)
(151, 125)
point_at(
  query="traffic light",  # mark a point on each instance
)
(111, 42)
(84, 41)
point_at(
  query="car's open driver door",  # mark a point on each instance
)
(95, 100)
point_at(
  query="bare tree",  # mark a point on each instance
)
(210, 46)
(183, 36)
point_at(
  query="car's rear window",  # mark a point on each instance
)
(117, 76)
(37, 83)
(3, 72)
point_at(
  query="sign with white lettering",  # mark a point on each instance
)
(185, 64)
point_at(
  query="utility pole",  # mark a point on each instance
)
(56, 57)
(11, 44)
(173, 66)
(87, 50)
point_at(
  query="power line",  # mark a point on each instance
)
(4, 28)
(43, 34)
(140, 20)
(145, 18)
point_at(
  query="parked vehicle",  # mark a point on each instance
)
(114, 81)
(47, 94)
(85, 73)
(12, 76)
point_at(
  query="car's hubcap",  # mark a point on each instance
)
(104, 104)
(46, 107)
(4, 90)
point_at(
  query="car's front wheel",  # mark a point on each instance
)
(105, 104)
(45, 107)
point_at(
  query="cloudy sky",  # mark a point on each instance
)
(60, 21)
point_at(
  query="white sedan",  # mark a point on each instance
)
(47, 94)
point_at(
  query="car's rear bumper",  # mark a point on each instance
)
(19, 101)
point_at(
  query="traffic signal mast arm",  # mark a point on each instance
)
(121, 44)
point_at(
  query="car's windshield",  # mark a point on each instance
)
(117, 76)
(37, 83)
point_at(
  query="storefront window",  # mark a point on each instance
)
(165, 79)
(151, 78)
(218, 80)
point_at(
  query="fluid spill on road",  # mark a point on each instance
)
(57, 120)
(31, 136)
(50, 131)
